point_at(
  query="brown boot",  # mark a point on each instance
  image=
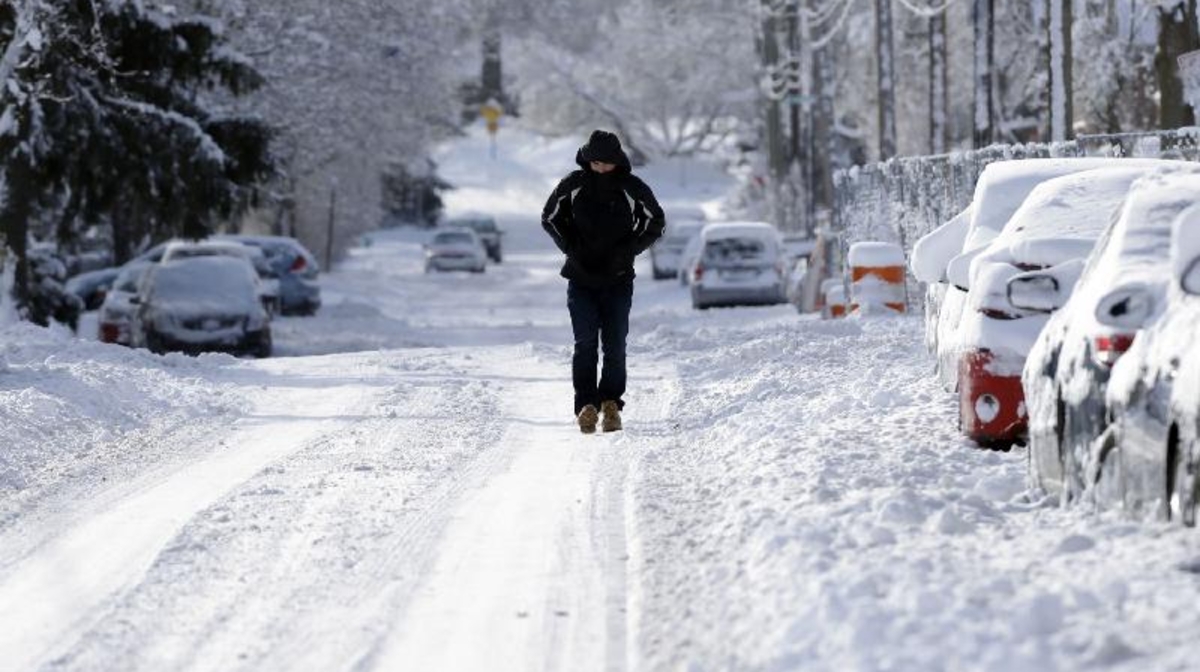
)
(612, 416)
(587, 419)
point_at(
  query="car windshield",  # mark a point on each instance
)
(127, 281)
(453, 238)
(729, 251)
(205, 280)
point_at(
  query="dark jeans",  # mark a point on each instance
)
(599, 317)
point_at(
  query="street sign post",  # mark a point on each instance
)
(491, 113)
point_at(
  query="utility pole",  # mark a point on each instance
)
(938, 105)
(1177, 34)
(773, 117)
(885, 57)
(985, 58)
(1062, 111)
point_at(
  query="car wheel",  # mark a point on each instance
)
(154, 343)
(263, 345)
(1181, 486)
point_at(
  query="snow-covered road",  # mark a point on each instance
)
(405, 490)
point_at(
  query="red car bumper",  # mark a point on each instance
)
(991, 403)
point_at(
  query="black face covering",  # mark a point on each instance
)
(605, 182)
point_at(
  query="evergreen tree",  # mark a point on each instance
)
(102, 121)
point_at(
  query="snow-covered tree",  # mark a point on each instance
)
(101, 122)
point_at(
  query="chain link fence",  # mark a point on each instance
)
(899, 201)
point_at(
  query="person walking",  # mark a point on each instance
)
(601, 217)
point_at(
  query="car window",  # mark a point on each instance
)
(734, 250)
(453, 238)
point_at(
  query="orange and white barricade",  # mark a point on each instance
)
(877, 278)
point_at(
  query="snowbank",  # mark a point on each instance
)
(73, 413)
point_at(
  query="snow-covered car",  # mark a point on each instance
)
(1068, 366)
(740, 263)
(269, 285)
(117, 311)
(666, 255)
(1056, 226)
(200, 304)
(91, 286)
(485, 227)
(455, 250)
(294, 265)
(689, 257)
(946, 257)
(794, 282)
(1154, 396)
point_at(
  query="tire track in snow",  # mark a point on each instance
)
(67, 584)
(531, 572)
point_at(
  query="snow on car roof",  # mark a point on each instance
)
(1003, 186)
(1062, 217)
(1141, 238)
(715, 230)
(1185, 239)
(935, 249)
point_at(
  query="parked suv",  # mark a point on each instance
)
(740, 263)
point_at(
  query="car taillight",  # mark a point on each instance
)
(109, 333)
(299, 264)
(1110, 348)
(697, 272)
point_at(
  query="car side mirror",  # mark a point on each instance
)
(1189, 282)
(1127, 307)
(958, 271)
(1036, 292)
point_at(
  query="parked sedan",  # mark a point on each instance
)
(740, 263)
(1056, 226)
(268, 286)
(455, 250)
(485, 227)
(117, 311)
(92, 286)
(295, 267)
(201, 304)
(1154, 396)
(1120, 289)
(666, 255)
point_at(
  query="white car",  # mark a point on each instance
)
(740, 263)
(455, 250)
(1153, 395)
(118, 308)
(1120, 289)
(1056, 227)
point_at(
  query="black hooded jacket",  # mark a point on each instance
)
(602, 221)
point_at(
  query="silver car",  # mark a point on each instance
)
(740, 263)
